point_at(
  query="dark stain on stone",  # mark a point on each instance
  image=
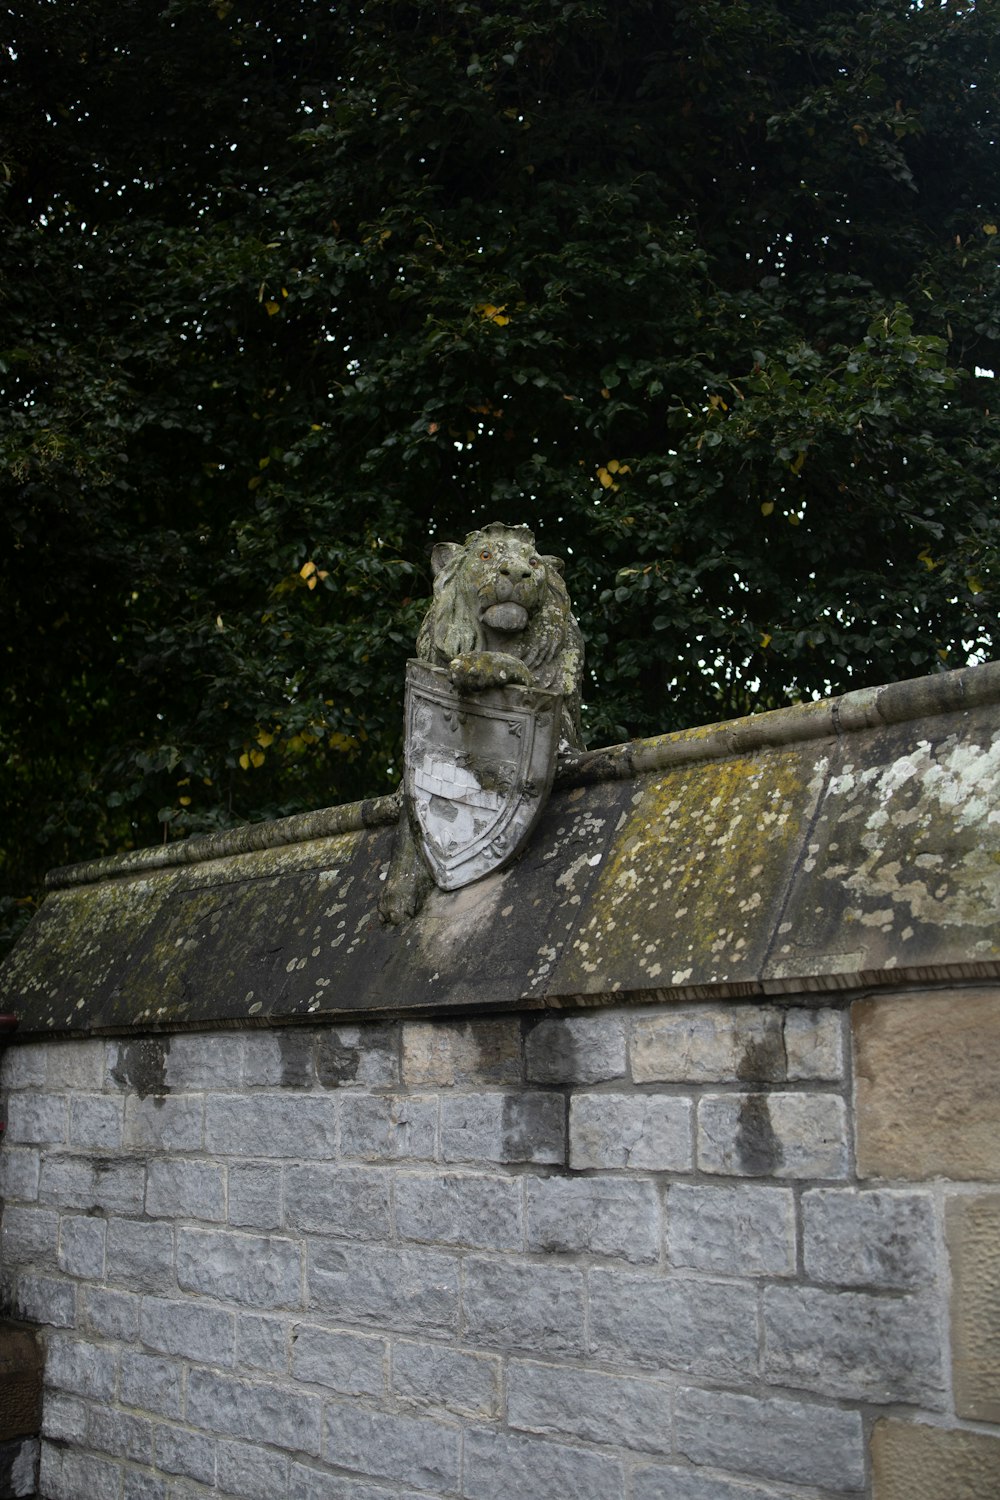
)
(757, 1146)
(533, 1127)
(337, 1062)
(141, 1067)
(764, 1058)
(296, 1049)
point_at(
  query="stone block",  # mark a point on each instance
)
(383, 1445)
(96, 1121)
(644, 1132)
(191, 1454)
(349, 1363)
(76, 1065)
(21, 1362)
(151, 1384)
(877, 1239)
(244, 1409)
(252, 1472)
(576, 1049)
(81, 1369)
(659, 1481)
(140, 1484)
(738, 1230)
(596, 1215)
(498, 1467)
(191, 1330)
(205, 1062)
(185, 1190)
(363, 1057)
(308, 1483)
(926, 1067)
(348, 1201)
(973, 1228)
(116, 1432)
(64, 1419)
(854, 1345)
(271, 1125)
(19, 1172)
(256, 1196)
(772, 1438)
(619, 1410)
(46, 1300)
(452, 1208)
(71, 1475)
(538, 1308)
(110, 1185)
(81, 1246)
(140, 1255)
(408, 1290)
(814, 1044)
(698, 1327)
(280, 1059)
(773, 1135)
(388, 1127)
(19, 1468)
(911, 1461)
(23, 1067)
(504, 1127)
(435, 1377)
(29, 1236)
(710, 1044)
(165, 1122)
(111, 1315)
(262, 1343)
(37, 1119)
(259, 1271)
(481, 1051)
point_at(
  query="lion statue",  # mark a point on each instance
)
(500, 615)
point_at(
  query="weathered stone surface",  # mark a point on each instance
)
(37, 1119)
(602, 1216)
(189, 1329)
(185, 1190)
(251, 1472)
(926, 1067)
(352, 1202)
(113, 1185)
(262, 1343)
(188, 1453)
(882, 1240)
(388, 1127)
(111, 1315)
(255, 1195)
(738, 1230)
(270, 1125)
(96, 1122)
(412, 1290)
(911, 1461)
(776, 1439)
(507, 1127)
(498, 1467)
(80, 1368)
(749, 1043)
(576, 1049)
(81, 1246)
(773, 1135)
(141, 1256)
(119, 1433)
(349, 1363)
(245, 1409)
(261, 1271)
(973, 1226)
(165, 1122)
(646, 1132)
(452, 1208)
(413, 1450)
(698, 1327)
(558, 1401)
(538, 1308)
(151, 1383)
(464, 1052)
(46, 1300)
(435, 1377)
(19, 1172)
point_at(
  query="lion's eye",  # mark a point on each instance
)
(486, 554)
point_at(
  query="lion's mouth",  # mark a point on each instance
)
(508, 617)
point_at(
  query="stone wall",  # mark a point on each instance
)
(652, 1253)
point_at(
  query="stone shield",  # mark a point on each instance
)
(479, 768)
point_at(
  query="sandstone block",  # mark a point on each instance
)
(576, 1049)
(645, 1132)
(601, 1216)
(882, 1240)
(973, 1226)
(775, 1439)
(914, 1462)
(926, 1068)
(738, 1230)
(558, 1401)
(364, 1057)
(773, 1135)
(466, 1052)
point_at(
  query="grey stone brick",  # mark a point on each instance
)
(239, 1408)
(255, 1196)
(140, 1484)
(576, 1049)
(412, 1450)
(388, 1127)
(140, 1255)
(599, 1215)
(252, 1472)
(23, 1067)
(349, 1363)
(436, 1377)
(185, 1190)
(280, 1059)
(729, 1044)
(773, 1438)
(77, 1065)
(50, 1472)
(151, 1384)
(364, 1057)
(111, 1315)
(29, 1235)
(482, 1051)
(498, 1467)
(19, 1172)
(205, 1062)
(698, 1327)
(647, 1132)
(739, 1230)
(853, 1345)
(189, 1453)
(409, 1290)
(271, 1125)
(260, 1271)
(78, 1475)
(81, 1246)
(556, 1400)
(43, 1299)
(773, 1135)
(453, 1208)
(667, 1482)
(190, 1329)
(262, 1343)
(524, 1127)
(528, 1306)
(111, 1185)
(116, 1432)
(165, 1122)
(82, 1369)
(37, 1119)
(19, 1468)
(875, 1239)
(352, 1202)
(308, 1483)
(64, 1418)
(814, 1044)
(96, 1121)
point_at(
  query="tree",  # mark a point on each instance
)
(707, 293)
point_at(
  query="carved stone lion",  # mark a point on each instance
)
(500, 615)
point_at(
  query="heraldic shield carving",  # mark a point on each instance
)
(478, 771)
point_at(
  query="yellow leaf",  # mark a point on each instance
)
(184, 801)
(989, 229)
(975, 586)
(605, 478)
(492, 313)
(256, 757)
(767, 507)
(927, 560)
(316, 427)
(765, 640)
(245, 761)
(613, 466)
(307, 570)
(311, 582)
(797, 462)
(255, 482)
(605, 393)
(262, 463)
(793, 519)
(264, 739)
(271, 308)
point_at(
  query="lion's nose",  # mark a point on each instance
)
(521, 572)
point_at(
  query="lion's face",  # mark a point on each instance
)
(501, 575)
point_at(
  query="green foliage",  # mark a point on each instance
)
(702, 292)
